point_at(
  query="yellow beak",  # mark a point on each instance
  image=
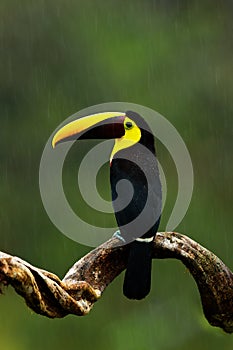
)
(79, 125)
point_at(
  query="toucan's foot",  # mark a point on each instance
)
(118, 235)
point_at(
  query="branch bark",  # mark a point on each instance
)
(85, 282)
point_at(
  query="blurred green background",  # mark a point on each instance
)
(58, 57)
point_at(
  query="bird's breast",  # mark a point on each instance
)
(131, 186)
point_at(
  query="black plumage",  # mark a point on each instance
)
(138, 166)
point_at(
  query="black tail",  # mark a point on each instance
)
(138, 273)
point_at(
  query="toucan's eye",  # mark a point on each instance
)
(128, 125)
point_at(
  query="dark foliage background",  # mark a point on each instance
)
(58, 57)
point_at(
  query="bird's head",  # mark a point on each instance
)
(123, 127)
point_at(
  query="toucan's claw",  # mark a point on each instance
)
(118, 235)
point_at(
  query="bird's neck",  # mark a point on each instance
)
(126, 142)
(129, 148)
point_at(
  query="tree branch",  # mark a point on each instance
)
(84, 283)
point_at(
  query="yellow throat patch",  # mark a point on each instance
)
(131, 137)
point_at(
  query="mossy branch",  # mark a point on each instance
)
(85, 282)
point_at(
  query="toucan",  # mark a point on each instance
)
(135, 186)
